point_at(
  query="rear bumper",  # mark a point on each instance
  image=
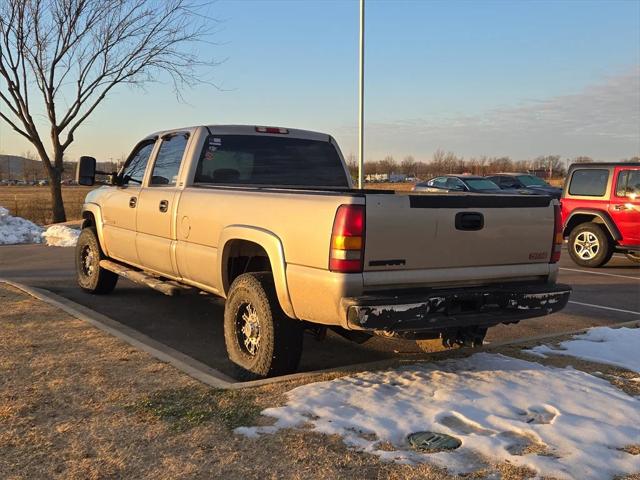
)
(439, 310)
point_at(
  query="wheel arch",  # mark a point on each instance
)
(270, 244)
(92, 217)
(580, 216)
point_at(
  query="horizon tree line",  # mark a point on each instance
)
(443, 163)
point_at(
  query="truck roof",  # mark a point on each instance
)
(252, 130)
(604, 164)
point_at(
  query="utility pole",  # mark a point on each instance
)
(361, 102)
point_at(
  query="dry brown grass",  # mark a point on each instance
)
(76, 403)
(399, 187)
(34, 203)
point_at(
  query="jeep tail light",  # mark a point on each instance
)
(347, 240)
(556, 246)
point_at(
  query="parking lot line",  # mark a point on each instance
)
(599, 273)
(603, 307)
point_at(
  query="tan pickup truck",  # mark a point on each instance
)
(267, 218)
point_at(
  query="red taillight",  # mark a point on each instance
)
(346, 254)
(282, 131)
(556, 246)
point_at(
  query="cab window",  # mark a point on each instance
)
(165, 170)
(628, 183)
(589, 182)
(133, 171)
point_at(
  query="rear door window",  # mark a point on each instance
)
(628, 183)
(270, 160)
(168, 160)
(590, 182)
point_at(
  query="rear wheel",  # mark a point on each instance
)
(590, 245)
(89, 275)
(259, 337)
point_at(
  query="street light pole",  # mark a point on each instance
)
(361, 102)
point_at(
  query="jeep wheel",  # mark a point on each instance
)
(89, 275)
(590, 246)
(260, 338)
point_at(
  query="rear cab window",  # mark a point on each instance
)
(589, 182)
(269, 161)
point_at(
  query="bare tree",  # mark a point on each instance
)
(409, 165)
(79, 50)
(388, 165)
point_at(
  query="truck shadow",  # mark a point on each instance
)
(193, 325)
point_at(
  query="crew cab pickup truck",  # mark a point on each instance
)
(601, 212)
(267, 218)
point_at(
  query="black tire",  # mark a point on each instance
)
(89, 275)
(633, 256)
(268, 344)
(590, 245)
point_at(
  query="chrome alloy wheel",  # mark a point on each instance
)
(248, 329)
(586, 245)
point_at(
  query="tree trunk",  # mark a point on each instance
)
(57, 204)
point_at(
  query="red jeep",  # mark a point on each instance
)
(601, 211)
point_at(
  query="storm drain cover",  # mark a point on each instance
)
(431, 442)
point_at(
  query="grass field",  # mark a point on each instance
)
(34, 203)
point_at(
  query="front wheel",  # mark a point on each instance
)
(259, 337)
(90, 275)
(590, 246)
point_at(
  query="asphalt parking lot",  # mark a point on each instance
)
(193, 324)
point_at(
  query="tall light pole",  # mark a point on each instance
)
(361, 102)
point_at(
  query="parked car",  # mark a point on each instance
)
(601, 212)
(458, 183)
(267, 218)
(525, 183)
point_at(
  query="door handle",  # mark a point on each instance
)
(619, 208)
(133, 201)
(164, 205)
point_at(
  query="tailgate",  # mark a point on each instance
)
(434, 231)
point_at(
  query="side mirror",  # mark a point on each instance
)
(86, 171)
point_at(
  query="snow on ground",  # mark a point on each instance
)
(61, 236)
(614, 346)
(560, 422)
(17, 230)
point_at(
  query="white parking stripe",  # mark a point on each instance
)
(599, 273)
(603, 307)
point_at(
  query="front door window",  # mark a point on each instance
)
(133, 172)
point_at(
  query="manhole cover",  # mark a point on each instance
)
(433, 442)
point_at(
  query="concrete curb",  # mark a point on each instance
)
(217, 379)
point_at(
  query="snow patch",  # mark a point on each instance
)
(61, 236)
(17, 230)
(562, 423)
(613, 346)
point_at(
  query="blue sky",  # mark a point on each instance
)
(511, 78)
